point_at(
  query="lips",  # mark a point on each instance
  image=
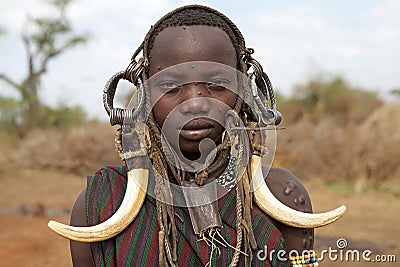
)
(197, 129)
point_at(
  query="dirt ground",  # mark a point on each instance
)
(29, 198)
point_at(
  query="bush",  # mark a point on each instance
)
(62, 117)
(329, 98)
(326, 150)
(80, 150)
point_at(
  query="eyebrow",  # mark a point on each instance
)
(180, 76)
(173, 74)
(216, 72)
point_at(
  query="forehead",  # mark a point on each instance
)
(176, 45)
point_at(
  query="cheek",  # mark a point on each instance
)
(229, 98)
(160, 112)
(165, 108)
(232, 100)
(159, 106)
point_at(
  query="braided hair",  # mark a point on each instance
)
(193, 15)
(189, 16)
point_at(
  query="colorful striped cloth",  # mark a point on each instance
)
(138, 244)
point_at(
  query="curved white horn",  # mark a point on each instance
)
(282, 213)
(133, 200)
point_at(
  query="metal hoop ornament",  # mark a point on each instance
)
(269, 113)
(120, 115)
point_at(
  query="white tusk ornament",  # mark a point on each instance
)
(282, 213)
(133, 200)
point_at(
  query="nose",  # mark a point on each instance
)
(195, 99)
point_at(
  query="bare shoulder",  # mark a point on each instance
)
(80, 252)
(288, 189)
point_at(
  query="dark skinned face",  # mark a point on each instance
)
(192, 84)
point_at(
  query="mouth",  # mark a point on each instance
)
(197, 129)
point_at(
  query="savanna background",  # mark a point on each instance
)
(341, 140)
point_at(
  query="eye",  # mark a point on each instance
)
(169, 85)
(218, 84)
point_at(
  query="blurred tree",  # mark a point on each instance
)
(395, 92)
(2, 30)
(292, 110)
(333, 98)
(63, 117)
(9, 114)
(48, 38)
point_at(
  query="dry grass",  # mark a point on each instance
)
(79, 150)
(365, 154)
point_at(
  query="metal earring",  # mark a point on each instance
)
(264, 99)
(131, 74)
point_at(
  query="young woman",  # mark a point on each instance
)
(201, 128)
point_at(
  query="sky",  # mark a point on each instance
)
(294, 40)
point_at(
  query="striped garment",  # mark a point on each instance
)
(138, 244)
